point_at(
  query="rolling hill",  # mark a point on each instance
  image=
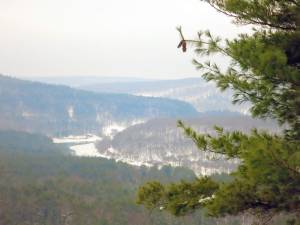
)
(61, 110)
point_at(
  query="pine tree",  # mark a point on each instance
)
(265, 71)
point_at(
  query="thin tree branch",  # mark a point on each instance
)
(251, 21)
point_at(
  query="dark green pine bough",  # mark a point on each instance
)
(265, 71)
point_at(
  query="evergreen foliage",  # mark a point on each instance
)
(265, 71)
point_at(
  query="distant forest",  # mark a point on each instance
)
(61, 110)
(40, 184)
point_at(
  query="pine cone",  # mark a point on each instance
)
(182, 45)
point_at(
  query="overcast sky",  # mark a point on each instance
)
(135, 38)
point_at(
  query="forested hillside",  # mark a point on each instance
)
(60, 110)
(40, 185)
(23, 142)
(203, 96)
(160, 142)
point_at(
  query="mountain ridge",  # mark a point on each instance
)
(61, 110)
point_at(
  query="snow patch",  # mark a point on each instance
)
(76, 139)
(71, 112)
(113, 128)
(85, 150)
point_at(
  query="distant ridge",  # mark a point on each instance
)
(61, 110)
(204, 96)
(76, 81)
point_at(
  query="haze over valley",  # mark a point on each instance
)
(140, 112)
(80, 153)
(131, 121)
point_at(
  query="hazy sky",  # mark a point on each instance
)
(135, 38)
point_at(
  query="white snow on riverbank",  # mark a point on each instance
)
(85, 150)
(83, 145)
(76, 139)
